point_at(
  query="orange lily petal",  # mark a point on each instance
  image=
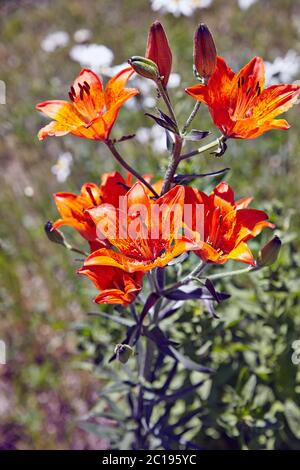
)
(242, 253)
(108, 257)
(87, 95)
(115, 91)
(199, 92)
(243, 203)
(52, 129)
(117, 286)
(62, 112)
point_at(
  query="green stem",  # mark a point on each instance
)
(233, 273)
(204, 148)
(74, 249)
(175, 157)
(195, 272)
(148, 359)
(191, 117)
(127, 167)
(165, 96)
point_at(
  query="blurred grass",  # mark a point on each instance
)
(39, 293)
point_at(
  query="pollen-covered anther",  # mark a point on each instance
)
(86, 88)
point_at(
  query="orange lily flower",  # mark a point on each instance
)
(92, 111)
(73, 208)
(228, 225)
(239, 104)
(116, 286)
(140, 239)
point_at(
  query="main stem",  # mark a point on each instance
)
(173, 164)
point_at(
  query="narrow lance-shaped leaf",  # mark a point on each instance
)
(196, 135)
(161, 122)
(189, 363)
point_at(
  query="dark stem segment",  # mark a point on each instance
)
(173, 164)
(127, 167)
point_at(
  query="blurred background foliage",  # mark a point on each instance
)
(57, 360)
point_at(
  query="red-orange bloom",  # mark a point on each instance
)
(92, 111)
(239, 104)
(228, 225)
(145, 235)
(116, 285)
(73, 208)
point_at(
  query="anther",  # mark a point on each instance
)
(86, 88)
(91, 193)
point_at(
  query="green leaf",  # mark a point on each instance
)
(292, 414)
(188, 363)
(249, 388)
(99, 429)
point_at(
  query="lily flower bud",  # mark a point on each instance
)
(269, 253)
(124, 352)
(144, 67)
(205, 54)
(55, 235)
(159, 51)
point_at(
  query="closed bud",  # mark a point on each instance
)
(123, 352)
(269, 253)
(54, 235)
(205, 54)
(159, 51)
(144, 67)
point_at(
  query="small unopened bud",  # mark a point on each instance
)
(269, 253)
(205, 54)
(124, 352)
(159, 51)
(144, 67)
(54, 235)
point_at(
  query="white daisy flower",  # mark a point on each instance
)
(93, 56)
(283, 69)
(82, 35)
(55, 40)
(62, 167)
(245, 4)
(179, 7)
